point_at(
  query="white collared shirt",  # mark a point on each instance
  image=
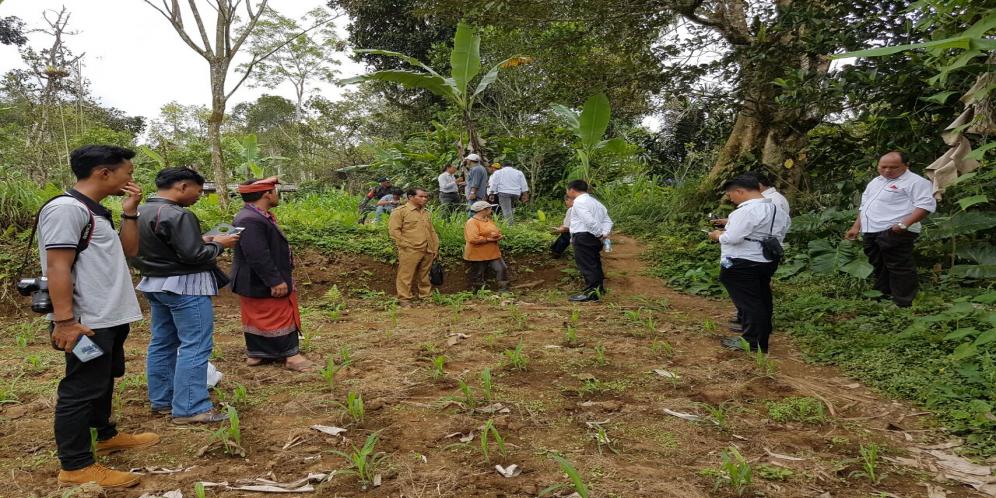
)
(589, 215)
(507, 180)
(447, 182)
(752, 220)
(886, 202)
(780, 202)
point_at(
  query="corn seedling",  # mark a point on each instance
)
(570, 335)
(601, 437)
(217, 353)
(354, 407)
(633, 316)
(330, 371)
(240, 396)
(429, 348)
(487, 385)
(519, 317)
(8, 392)
(363, 462)
(651, 324)
(439, 367)
(230, 436)
(345, 356)
(516, 358)
(735, 471)
(600, 358)
(576, 481)
(662, 348)
(392, 314)
(488, 432)
(468, 400)
(575, 316)
(718, 414)
(307, 338)
(709, 325)
(869, 463)
(761, 360)
(22, 340)
(199, 490)
(34, 361)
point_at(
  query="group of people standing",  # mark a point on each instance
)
(86, 263)
(892, 206)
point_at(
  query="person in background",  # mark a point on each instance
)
(373, 195)
(92, 294)
(449, 188)
(476, 187)
(411, 229)
(563, 241)
(892, 206)
(179, 275)
(262, 277)
(387, 203)
(744, 270)
(589, 226)
(481, 250)
(779, 200)
(509, 185)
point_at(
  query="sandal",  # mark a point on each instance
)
(254, 362)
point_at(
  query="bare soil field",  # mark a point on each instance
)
(633, 391)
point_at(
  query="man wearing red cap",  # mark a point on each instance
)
(261, 276)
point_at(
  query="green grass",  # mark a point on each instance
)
(797, 409)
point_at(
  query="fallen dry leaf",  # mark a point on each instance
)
(510, 471)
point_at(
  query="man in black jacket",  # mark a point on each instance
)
(179, 276)
(261, 276)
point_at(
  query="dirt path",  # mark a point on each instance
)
(595, 399)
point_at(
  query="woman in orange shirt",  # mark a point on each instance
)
(481, 250)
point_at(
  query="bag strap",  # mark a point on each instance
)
(86, 235)
(771, 229)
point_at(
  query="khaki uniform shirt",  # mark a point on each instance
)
(411, 228)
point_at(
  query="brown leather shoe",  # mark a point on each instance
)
(124, 441)
(105, 477)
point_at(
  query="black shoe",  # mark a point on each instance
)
(735, 344)
(735, 320)
(581, 298)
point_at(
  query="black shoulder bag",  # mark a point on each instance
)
(436, 273)
(771, 248)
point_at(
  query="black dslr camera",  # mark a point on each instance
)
(37, 288)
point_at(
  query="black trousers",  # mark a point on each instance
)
(84, 398)
(559, 246)
(587, 256)
(749, 285)
(477, 273)
(891, 254)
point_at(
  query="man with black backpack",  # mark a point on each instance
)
(91, 294)
(750, 252)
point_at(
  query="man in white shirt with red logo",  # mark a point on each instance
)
(892, 206)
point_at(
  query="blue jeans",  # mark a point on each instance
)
(181, 343)
(381, 210)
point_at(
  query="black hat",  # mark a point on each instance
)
(383, 179)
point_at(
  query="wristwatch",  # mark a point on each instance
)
(129, 216)
(902, 226)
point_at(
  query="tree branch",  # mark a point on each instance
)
(175, 19)
(197, 19)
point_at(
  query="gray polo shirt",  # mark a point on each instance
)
(477, 177)
(103, 295)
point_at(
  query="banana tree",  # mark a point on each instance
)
(465, 65)
(251, 163)
(589, 127)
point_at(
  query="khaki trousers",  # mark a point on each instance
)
(413, 268)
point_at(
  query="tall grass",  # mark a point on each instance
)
(20, 199)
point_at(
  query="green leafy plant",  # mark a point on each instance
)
(718, 414)
(600, 358)
(354, 407)
(601, 437)
(869, 463)
(230, 435)
(438, 367)
(763, 364)
(661, 347)
(797, 409)
(330, 370)
(773, 473)
(465, 65)
(363, 462)
(735, 471)
(490, 432)
(467, 399)
(570, 335)
(589, 126)
(577, 482)
(516, 358)
(199, 490)
(487, 384)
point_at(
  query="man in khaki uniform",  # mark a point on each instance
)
(411, 229)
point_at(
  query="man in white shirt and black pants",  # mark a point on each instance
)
(449, 195)
(589, 227)
(892, 206)
(509, 185)
(744, 269)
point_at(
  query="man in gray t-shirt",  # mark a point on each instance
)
(477, 180)
(92, 295)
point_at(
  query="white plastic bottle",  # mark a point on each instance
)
(607, 245)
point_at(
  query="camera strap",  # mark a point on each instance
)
(85, 236)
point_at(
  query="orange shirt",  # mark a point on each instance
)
(476, 229)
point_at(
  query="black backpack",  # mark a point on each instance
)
(85, 236)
